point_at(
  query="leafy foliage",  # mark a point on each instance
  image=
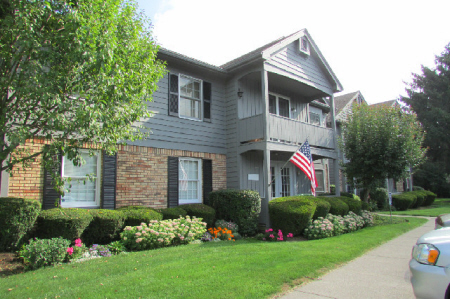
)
(17, 217)
(67, 223)
(73, 73)
(380, 142)
(44, 252)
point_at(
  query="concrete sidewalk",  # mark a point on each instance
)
(381, 273)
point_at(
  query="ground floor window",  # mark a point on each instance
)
(81, 190)
(190, 180)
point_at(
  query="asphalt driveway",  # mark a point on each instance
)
(380, 273)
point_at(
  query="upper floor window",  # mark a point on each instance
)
(315, 116)
(279, 105)
(189, 97)
(82, 191)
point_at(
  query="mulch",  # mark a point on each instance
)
(10, 264)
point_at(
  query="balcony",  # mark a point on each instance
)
(251, 129)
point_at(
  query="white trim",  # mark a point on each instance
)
(96, 203)
(199, 181)
(201, 98)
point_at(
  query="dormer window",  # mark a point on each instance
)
(304, 45)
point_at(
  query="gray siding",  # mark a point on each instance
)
(252, 163)
(233, 166)
(184, 134)
(288, 61)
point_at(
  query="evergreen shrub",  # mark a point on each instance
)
(403, 201)
(200, 210)
(338, 207)
(68, 223)
(354, 205)
(172, 213)
(135, 215)
(322, 207)
(239, 206)
(429, 199)
(291, 214)
(17, 218)
(381, 197)
(104, 227)
(420, 198)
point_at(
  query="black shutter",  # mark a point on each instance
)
(51, 196)
(109, 175)
(206, 101)
(207, 180)
(172, 182)
(173, 95)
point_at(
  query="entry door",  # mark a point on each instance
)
(281, 179)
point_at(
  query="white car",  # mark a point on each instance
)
(430, 265)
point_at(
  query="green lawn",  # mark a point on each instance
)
(241, 269)
(439, 207)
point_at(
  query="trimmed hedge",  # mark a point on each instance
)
(68, 223)
(104, 228)
(200, 210)
(291, 214)
(354, 205)
(429, 199)
(338, 207)
(322, 207)
(239, 206)
(172, 213)
(135, 215)
(420, 198)
(381, 197)
(17, 218)
(403, 201)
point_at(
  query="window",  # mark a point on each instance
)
(303, 45)
(314, 118)
(189, 98)
(82, 191)
(320, 181)
(190, 181)
(279, 105)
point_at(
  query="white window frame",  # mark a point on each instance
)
(200, 112)
(199, 181)
(96, 203)
(277, 105)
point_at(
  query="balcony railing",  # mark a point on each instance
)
(284, 130)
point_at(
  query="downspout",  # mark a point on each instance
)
(336, 147)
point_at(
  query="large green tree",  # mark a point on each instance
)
(380, 142)
(73, 72)
(429, 98)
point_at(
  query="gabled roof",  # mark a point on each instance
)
(265, 52)
(392, 103)
(343, 105)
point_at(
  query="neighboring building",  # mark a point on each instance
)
(232, 126)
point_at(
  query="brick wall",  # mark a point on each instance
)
(142, 174)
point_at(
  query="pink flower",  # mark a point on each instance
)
(272, 236)
(78, 242)
(269, 230)
(70, 250)
(290, 235)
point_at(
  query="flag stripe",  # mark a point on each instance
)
(303, 160)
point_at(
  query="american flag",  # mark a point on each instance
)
(303, 160)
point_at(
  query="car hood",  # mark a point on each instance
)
(440, 238)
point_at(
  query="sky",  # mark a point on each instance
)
(371, 46)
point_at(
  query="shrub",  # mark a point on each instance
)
(353, 222)
(322, 207)
(199, 210)
(420, 198)
(135, 215)
(338, 224)
(172, 213)
(116, 247)
(162, 233)
(44, 252)
(76, 251)
(319, 229)
(367, 217)
(418, 188)
(228, 225)
(104, 227)
(271, 236)
(429, 199)
(62, 222)
(380, 196)
(354, 205)
(239, 206)
(291, 215)
(338, 207)
(17, 218)
(403, 201)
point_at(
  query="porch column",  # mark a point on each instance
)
(264, 216)
(337, 179)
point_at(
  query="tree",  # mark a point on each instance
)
(379, 143)
(73, 73)
(429, 98)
